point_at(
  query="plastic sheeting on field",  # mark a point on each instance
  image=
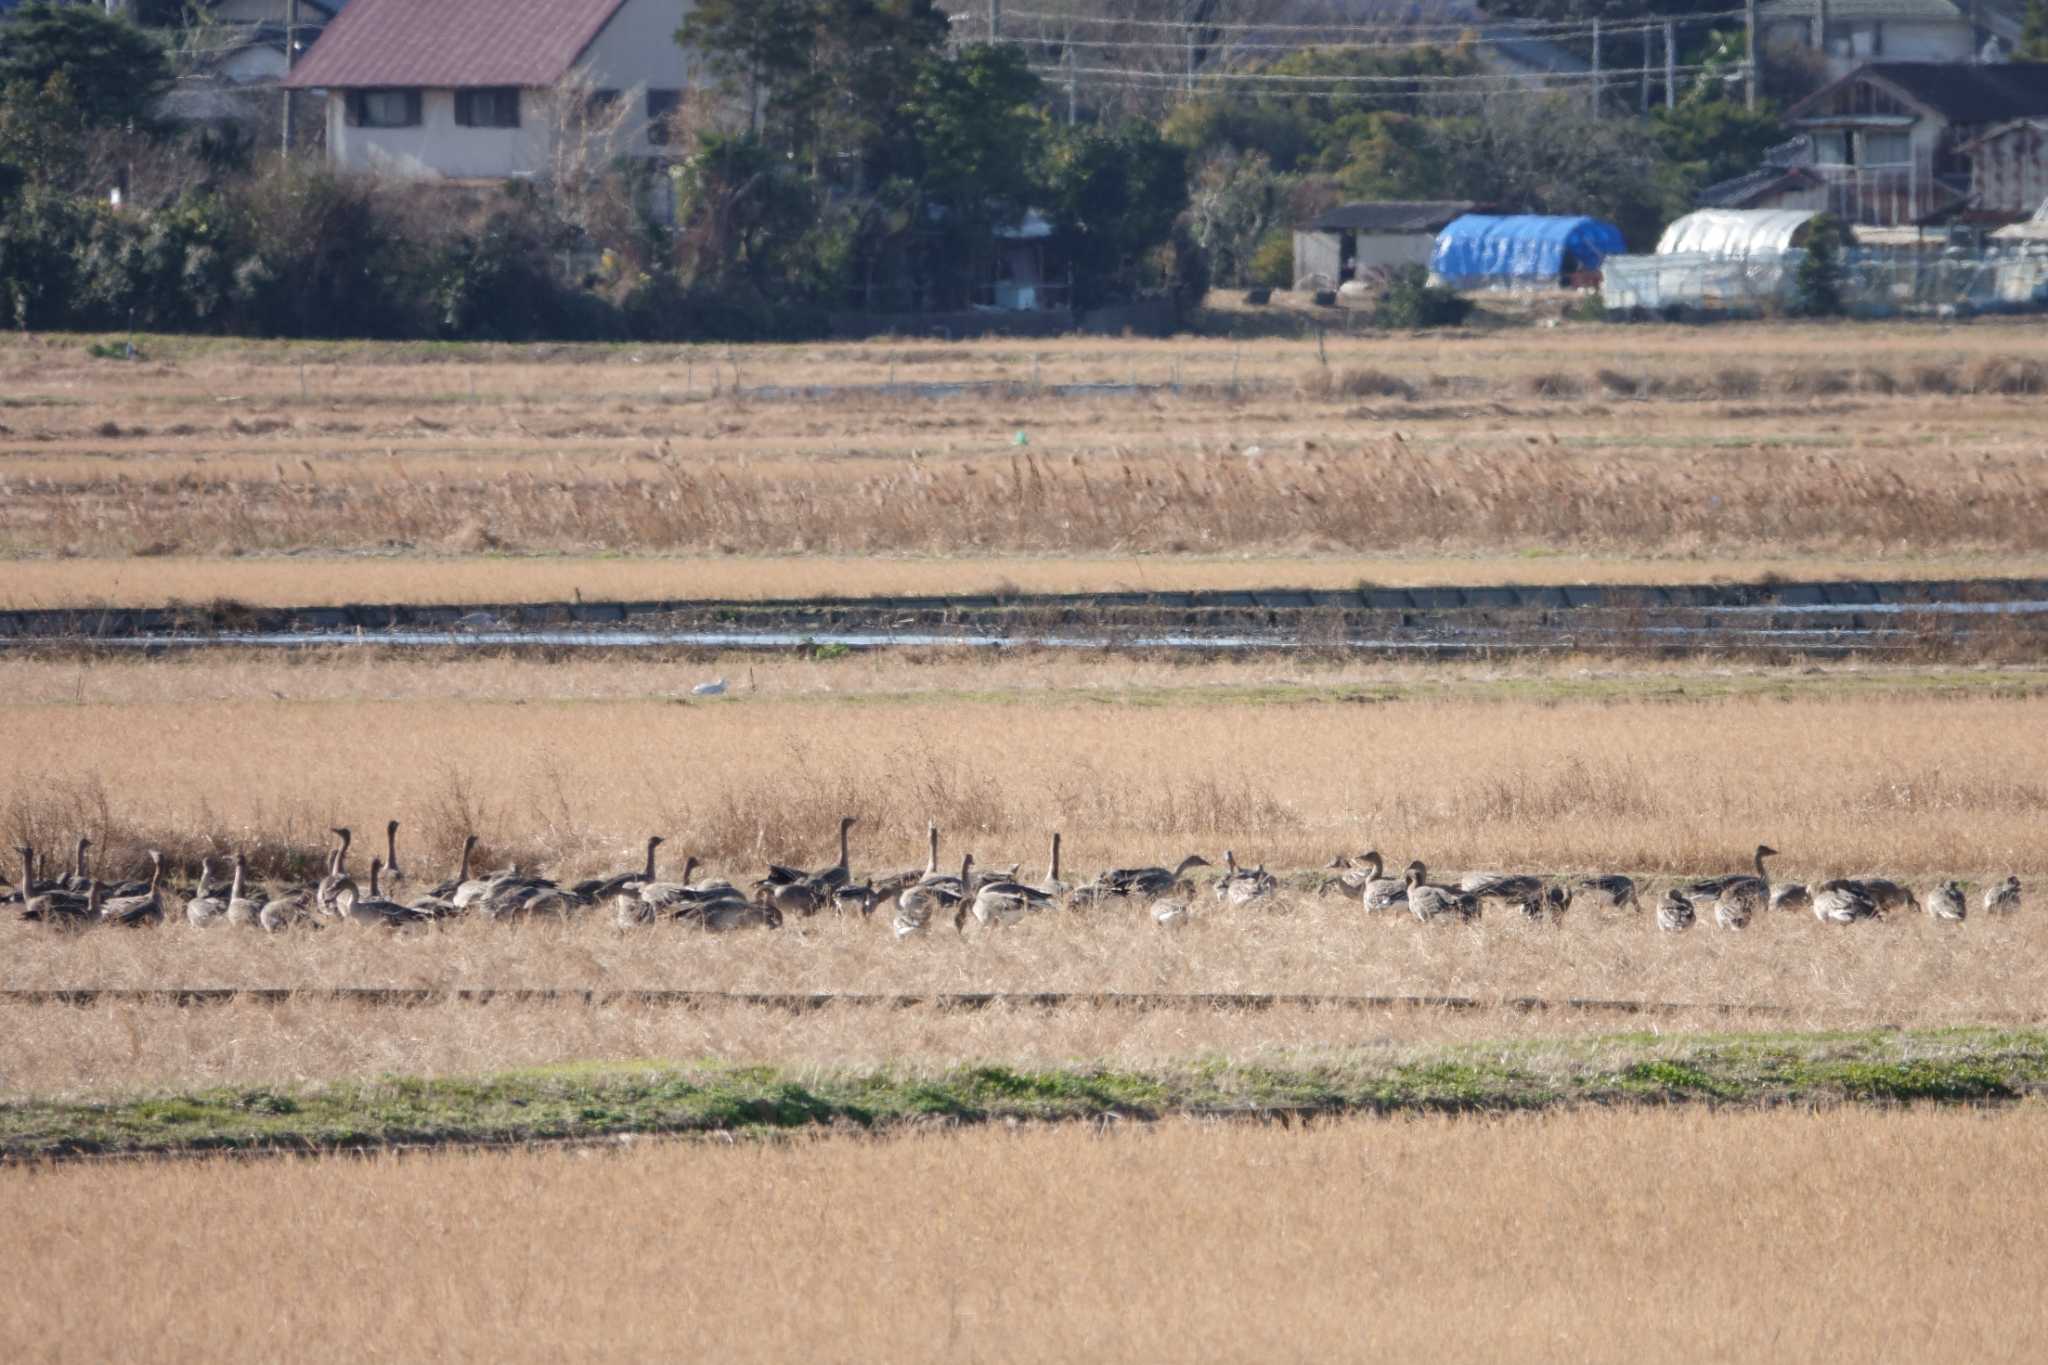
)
(1480, 249)
(1875, 283)
(1734, 232)
(1698, 280)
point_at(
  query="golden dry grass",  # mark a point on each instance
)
(341, 580)
(1762, 442)
(1651, 1235)
(1908, 784)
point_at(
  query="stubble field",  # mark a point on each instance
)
(1590, 1236)
(320, 474)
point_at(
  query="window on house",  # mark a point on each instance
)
(384, 108)
(661, 108)
(497, 107)
(1831, 148)
(1886, 149)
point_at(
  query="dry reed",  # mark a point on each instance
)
(1574, 1237)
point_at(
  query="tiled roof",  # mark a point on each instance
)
(1428, 215)
(452, 43)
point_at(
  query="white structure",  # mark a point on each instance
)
(1353, 240)
(478, 89)
(1734, 233)
(1853, 32)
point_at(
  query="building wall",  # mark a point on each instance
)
(2009, 173)
(1394, 248)
(1316, 253)
(635, 52)
(438, 146)
(1853, 42)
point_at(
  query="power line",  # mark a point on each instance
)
(1514, 27)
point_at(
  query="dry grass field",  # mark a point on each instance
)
(1739, 444)
(1910, 785)
(1587, 1236)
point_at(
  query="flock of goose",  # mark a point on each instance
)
(918, 897)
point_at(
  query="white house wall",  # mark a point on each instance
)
(439, 146)
(1394, 248)
(638, 51)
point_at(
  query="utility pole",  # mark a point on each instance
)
(995, 22)
(291, 56)
(1670, 64)
(1070, 82)
(1595, 83)
(1749, 54)
(1643, 80)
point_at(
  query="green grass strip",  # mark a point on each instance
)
(604, 1100)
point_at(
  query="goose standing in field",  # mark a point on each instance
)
(55, 908)
(205, 910)
(392, 874)
(1240, 885)
(1610, 890)
(243, 912)
(134, 912)
(375, 911)
(854, 899)
(916, 905)
(337, 874)
(1006, 901)
(1714, 886)
(1550, 907)
(1946, 902)
(2004, 898)
(890, 887)
(1149, 882)
(604, 888)
(1844, 902)
(80, 880)
(803, 898)
(1430, 903)
(1675, 914)
(1380, 891)
(1052, 885)
(1171, 914)
(828, 878)
(1791, 896)
(451, 890)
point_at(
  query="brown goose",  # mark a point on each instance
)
(1714, 886)
(206, 910)
(2004, 898)
(135, 912)
(1432, 904)
(1844, 902)
(1675, 914)
(1946, 902)
(1611, 890)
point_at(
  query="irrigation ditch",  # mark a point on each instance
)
(1819, 619)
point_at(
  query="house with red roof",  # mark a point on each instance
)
(478, 89)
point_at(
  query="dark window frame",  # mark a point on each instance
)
(493, 106)
(661, 106)
(358, 107)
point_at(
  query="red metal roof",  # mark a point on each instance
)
(452, 43)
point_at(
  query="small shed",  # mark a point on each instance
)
(2008, 168)
(1740, 233)
(1354, 239)
(1527, 250)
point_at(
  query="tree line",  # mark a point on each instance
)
(845, 156)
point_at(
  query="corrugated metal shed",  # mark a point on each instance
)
(1480, 249)
(1734, 233)
(452, 44)
(1417, 215)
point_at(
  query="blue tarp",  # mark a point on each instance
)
(1479, 248)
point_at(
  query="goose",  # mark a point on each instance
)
(1792, 896)
(832, 876)
(1888, 894)
(1350, 879)
(804, 898)
(1736, 906)
(205, 910)
(894, 885)
(375, 911)
(1551, 905)
(519, 897)
(450, 891)
(1844, 902)
(1006, 901)
(1171, 914)
(80, 879)
(337, 873)
(727, 916)
(1946, 902)
(58, 909)
(1149, 881)
(1714, 886)
(391, 868)
(242, 912)
(1052, 885)
(1251, 887)
(133, 912)
(1509, 888)
(1430, 903)
(604, 888)
(1611, 889)
(668, 896)
(2004, 898)
(855, 900)
(1675, 913)
(916, 904)
(1380, 891)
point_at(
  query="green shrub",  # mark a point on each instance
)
(1412, 301)
(1273, 263)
